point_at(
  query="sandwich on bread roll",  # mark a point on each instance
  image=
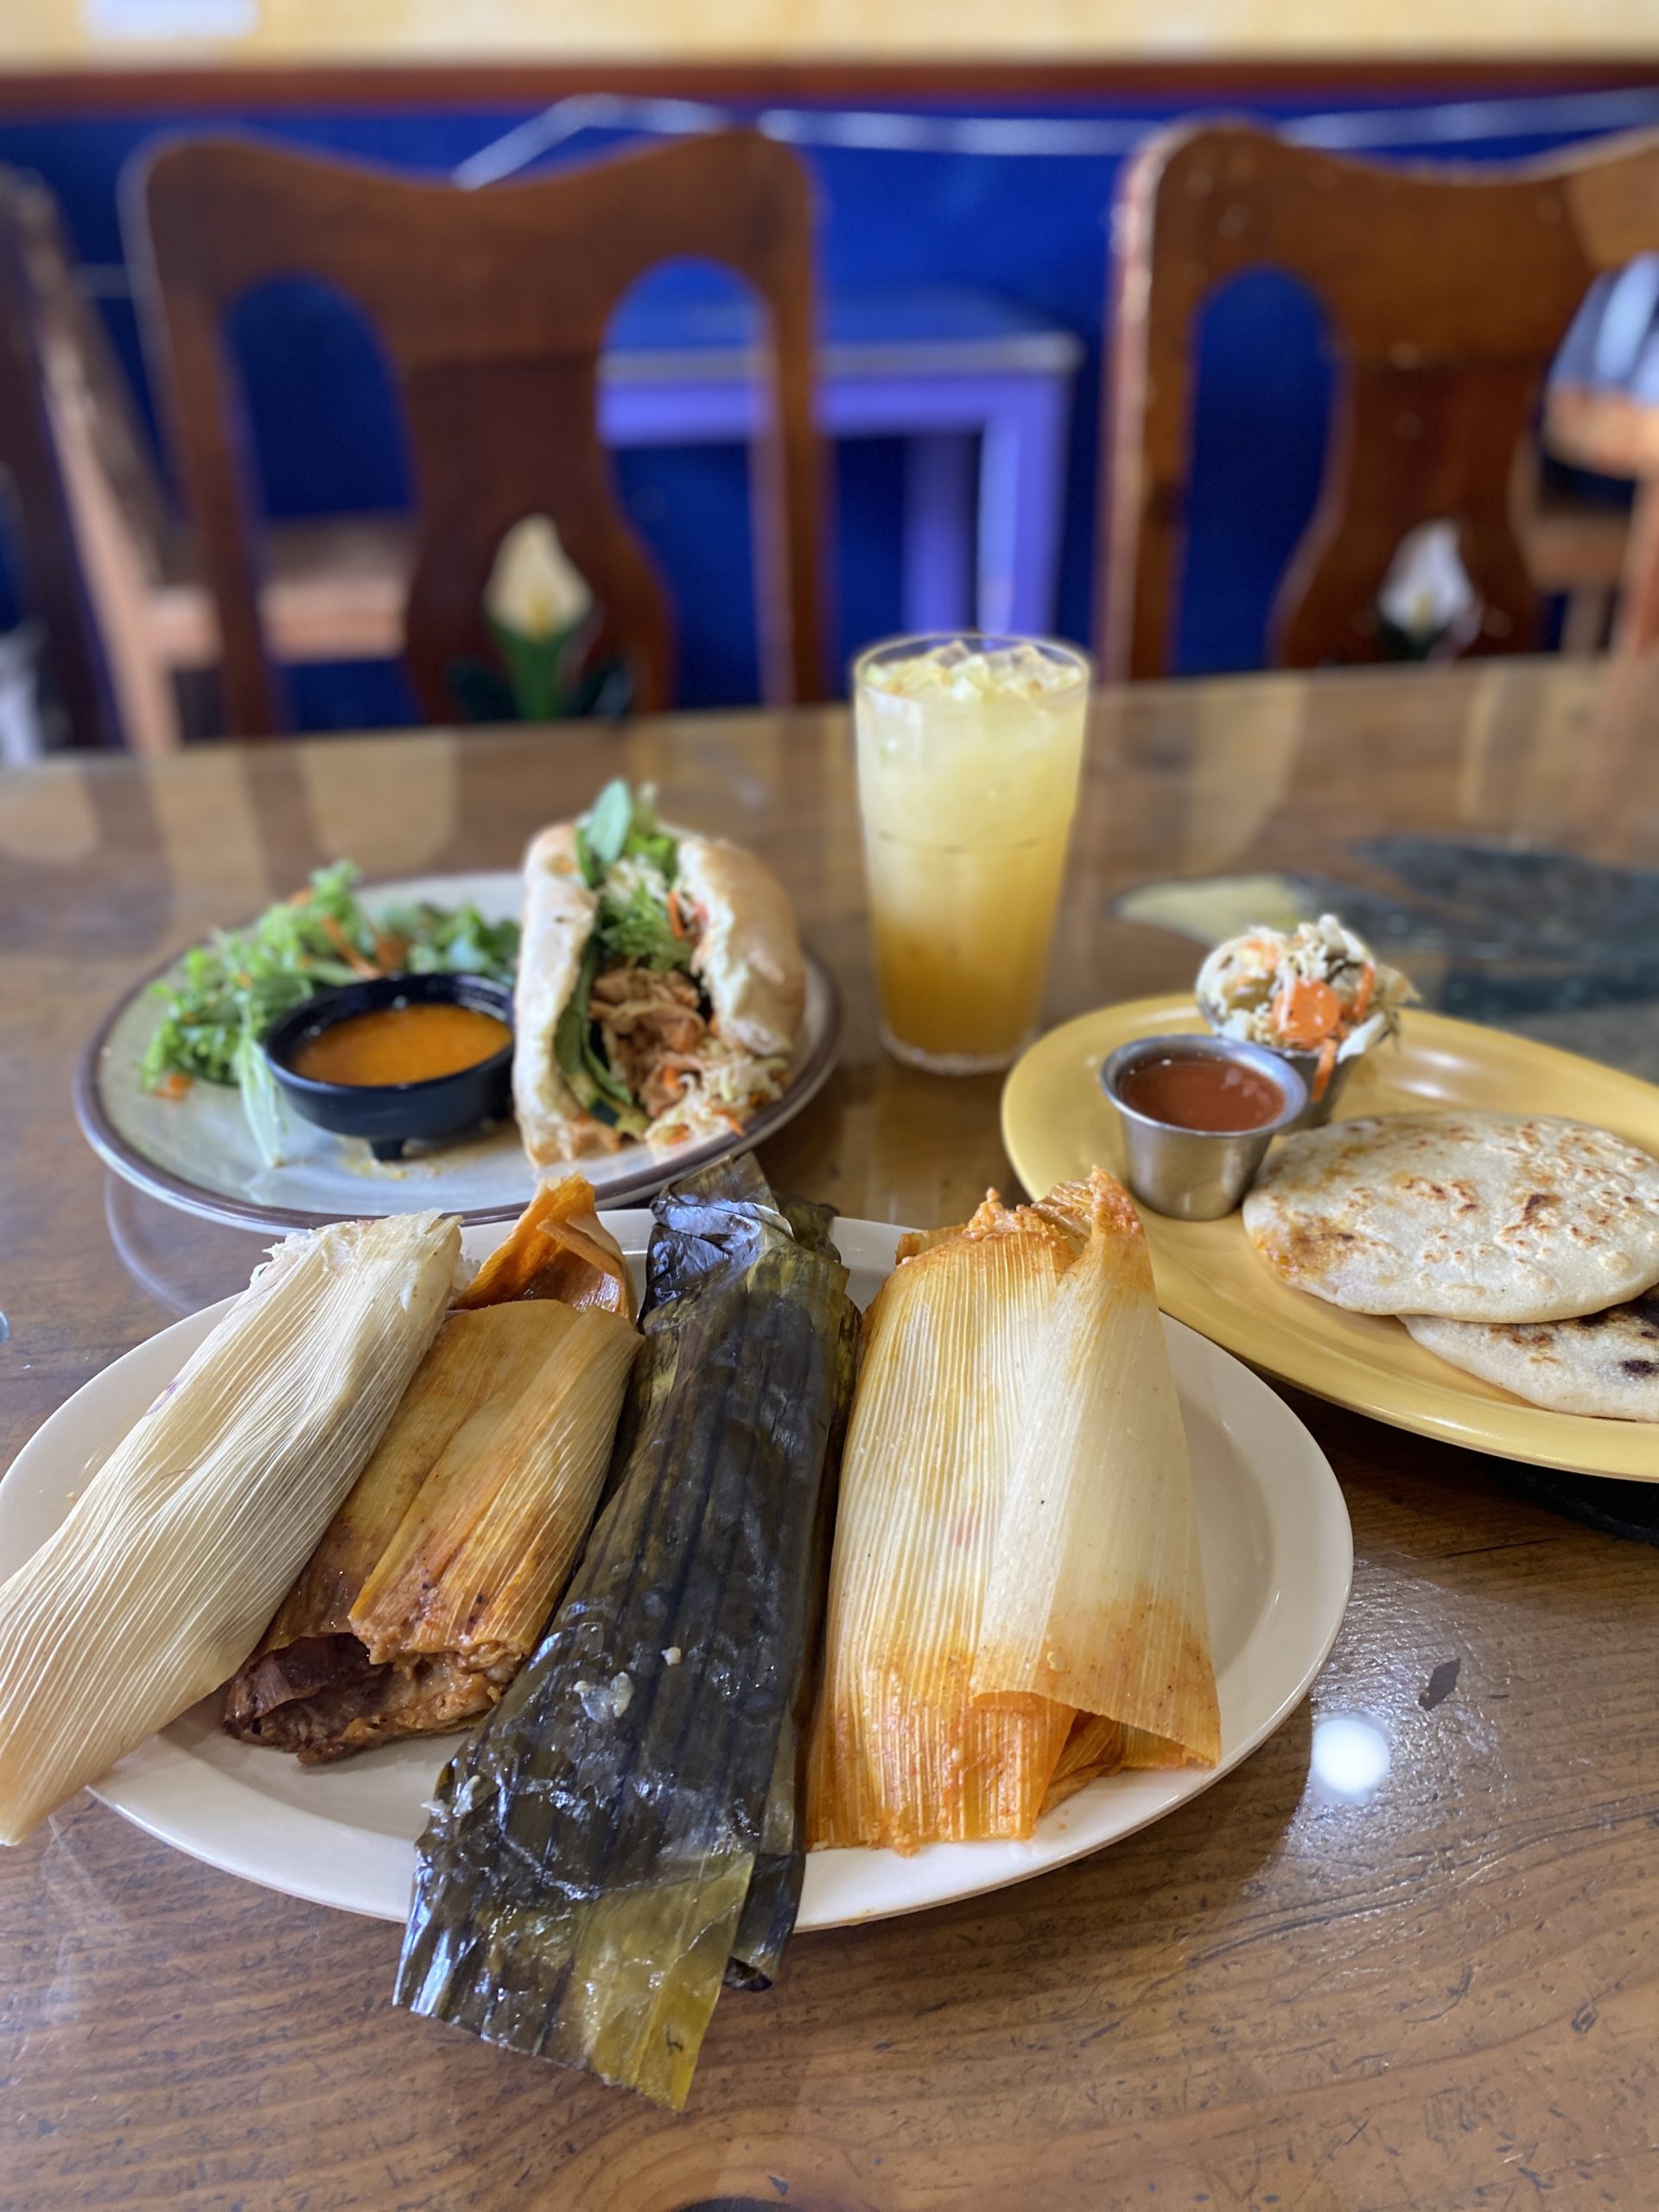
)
(660, 984)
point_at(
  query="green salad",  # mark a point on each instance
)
(228, 992)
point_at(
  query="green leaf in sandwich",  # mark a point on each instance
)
(622, 823)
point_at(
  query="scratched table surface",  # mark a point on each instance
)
(1443, 1992)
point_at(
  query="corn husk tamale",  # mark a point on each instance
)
(1094, 1747)
(1015, 1601)
(157, 1586)
(433, 1582)
(557, 1248)
(583, 1881)
(1096, 1601)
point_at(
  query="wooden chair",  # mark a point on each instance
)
(492, 307)
(1447, 293)
(117, 580)
(29, 463)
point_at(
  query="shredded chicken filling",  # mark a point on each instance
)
(661, 1043)
(654, 1031)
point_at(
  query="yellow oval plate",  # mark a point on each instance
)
(1056, 1124)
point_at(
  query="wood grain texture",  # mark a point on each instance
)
(1447, 1998)
(493, 308)
(1446, 293)
(156, 86)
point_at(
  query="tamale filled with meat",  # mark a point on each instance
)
(156, 1585)
(430, 1587)
(587, 1874)
(1016, 1604)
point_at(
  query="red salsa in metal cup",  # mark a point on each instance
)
(1193, 1090)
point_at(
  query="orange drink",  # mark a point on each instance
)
(969, 750)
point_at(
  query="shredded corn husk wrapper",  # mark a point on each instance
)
(158, 1586)
(1016, 1603)
(448, 1554)
(475, 1567)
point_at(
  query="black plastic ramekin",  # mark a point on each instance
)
(391, 1115)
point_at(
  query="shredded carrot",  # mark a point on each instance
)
(174, 1086)
(1306, 1012)
(1322, 1073)
(1363, 995)
(390, 951)
(676, 921)
(347, 951)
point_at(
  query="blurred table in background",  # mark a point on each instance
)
(978, 387)
(1437, 1997)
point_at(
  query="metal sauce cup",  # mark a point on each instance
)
(1198, 1174)
(1317, 1111)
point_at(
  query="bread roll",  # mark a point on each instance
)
(559, 914)
(748, 955)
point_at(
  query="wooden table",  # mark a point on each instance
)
(1447, 1996)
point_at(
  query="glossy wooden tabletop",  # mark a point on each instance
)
(1443, 1993)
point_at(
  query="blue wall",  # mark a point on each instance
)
(1031, 227)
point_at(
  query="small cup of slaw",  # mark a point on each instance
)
(1318, 996)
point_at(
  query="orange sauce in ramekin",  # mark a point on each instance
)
(400, 1044)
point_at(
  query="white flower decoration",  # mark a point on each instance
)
(535, 589)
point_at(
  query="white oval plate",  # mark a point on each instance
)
(1278, 1556)
(198, 1152)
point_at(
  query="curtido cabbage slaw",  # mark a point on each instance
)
(1317, 988)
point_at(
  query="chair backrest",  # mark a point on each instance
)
(40, 297)
(1446, 292)
(493, 308)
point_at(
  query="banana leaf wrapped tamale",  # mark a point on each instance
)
(593, 1848)
(774, 1896)
(433, 1582)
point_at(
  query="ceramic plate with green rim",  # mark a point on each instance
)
(1057, 1123)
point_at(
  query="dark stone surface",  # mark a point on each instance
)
(1548, 944)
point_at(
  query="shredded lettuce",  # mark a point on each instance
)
(633, 928)
(640, 934)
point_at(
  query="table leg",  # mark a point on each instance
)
(1022, 505)
(939, 536)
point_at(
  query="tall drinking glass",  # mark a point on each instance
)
(968, 752)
